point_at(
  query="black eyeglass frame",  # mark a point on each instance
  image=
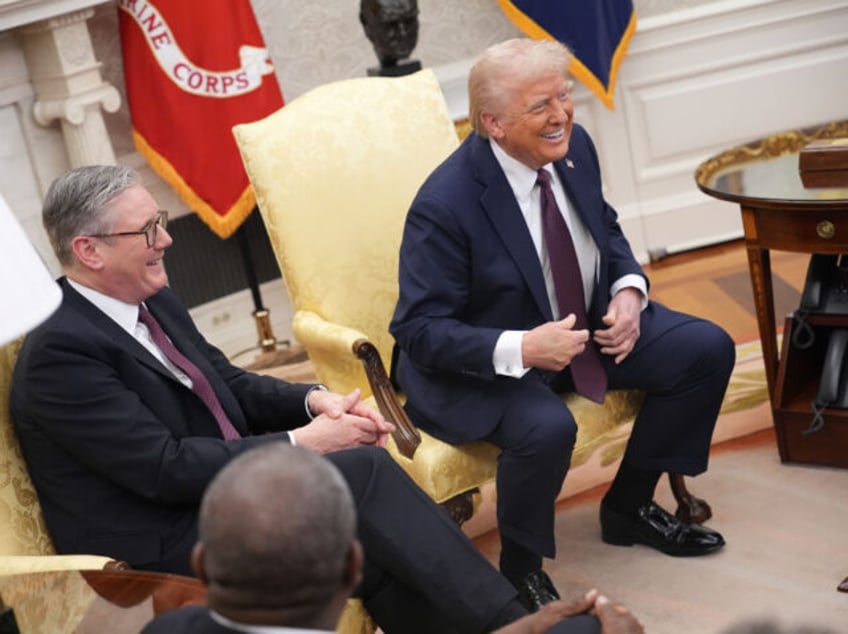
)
(149, 231)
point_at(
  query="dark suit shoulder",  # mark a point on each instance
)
(581, 147)
(76, 324)
(459, 181)
(189, 620)
(454, 168)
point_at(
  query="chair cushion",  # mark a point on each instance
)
(443, 470)
(605, 427)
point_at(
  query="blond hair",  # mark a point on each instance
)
(494, 78)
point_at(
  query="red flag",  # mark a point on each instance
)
(193, 70)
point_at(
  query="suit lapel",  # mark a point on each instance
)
(107, 325)
(569, 172)
(177, 336)
(499, 203)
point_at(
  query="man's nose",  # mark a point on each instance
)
(163, 239)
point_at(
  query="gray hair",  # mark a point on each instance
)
(277, 524)
(76, 204)
(493, 79)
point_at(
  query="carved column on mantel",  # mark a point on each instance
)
(68, 85)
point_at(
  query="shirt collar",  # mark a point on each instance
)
(261, 629)
(521, 179)
(125, 315)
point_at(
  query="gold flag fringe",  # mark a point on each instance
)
(223, 225)
(585, 76)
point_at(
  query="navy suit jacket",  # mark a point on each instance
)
(120, 451)
(469, 271)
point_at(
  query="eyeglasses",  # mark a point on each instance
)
(149, 231)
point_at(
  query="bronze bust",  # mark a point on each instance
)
(392, 27)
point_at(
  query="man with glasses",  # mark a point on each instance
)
(125, 413)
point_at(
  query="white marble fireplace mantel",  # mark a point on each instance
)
(15, 13)
(52, 99)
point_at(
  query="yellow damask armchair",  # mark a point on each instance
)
(25, 544)
(334, 172)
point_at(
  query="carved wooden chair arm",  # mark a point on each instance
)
(406, 435)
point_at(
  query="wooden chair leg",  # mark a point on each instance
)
(690, 509)
(461, 507)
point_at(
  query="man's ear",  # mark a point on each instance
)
(197, 556)
(492, 125)
(87, 252)
(352, 575)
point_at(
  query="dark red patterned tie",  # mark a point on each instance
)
(200, 383)
(589, 377)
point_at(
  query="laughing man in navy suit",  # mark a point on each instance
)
(486, 339)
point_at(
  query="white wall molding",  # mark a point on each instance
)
(699, 81)
(695, 82)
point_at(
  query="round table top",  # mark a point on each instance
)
(766, 171)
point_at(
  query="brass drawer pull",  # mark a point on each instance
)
(825, 229)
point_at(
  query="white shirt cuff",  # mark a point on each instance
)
(631, 281)
(506, 358)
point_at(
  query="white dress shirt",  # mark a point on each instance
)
(507, 358)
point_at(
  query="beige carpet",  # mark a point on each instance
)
(787, 548)
(785, 526)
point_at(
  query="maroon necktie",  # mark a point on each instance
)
(588, 375)
(200, 384)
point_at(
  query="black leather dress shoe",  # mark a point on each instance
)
(656, 527)
(535, 590)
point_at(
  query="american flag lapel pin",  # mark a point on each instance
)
(569, 163)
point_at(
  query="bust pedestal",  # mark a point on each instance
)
(398, 70)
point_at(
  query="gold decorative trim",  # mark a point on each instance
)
(769, 147)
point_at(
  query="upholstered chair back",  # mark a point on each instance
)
(374, 140)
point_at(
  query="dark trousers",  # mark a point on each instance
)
(683, 365)
(422, 574)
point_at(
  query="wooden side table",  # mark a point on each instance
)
(779, 213)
